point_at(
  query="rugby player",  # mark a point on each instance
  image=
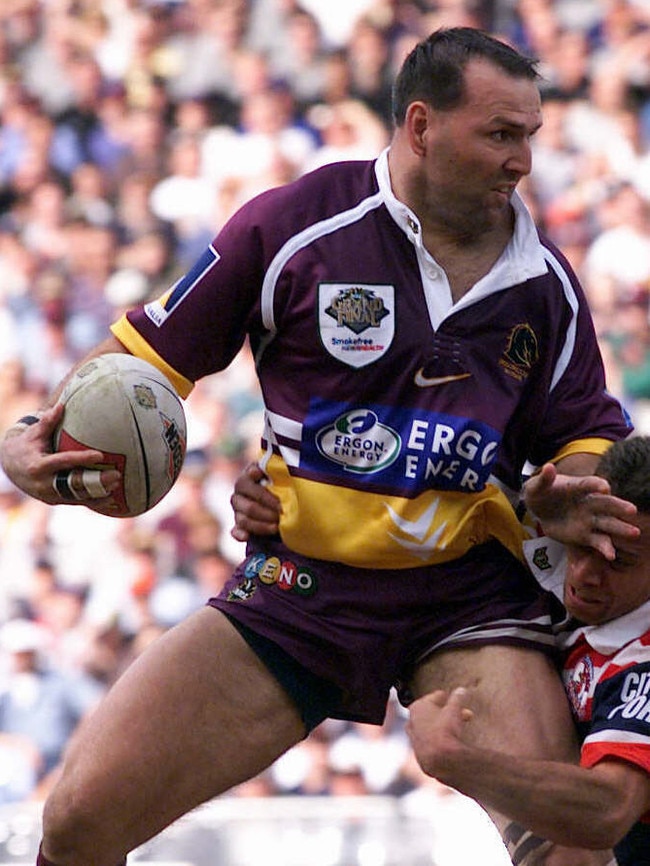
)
(417, 341)
(605, 802)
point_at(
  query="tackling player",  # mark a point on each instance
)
(606, 801)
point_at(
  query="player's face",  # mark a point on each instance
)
(597, 590)
(476, 154)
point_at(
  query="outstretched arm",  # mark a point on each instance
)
(570, 805)
(576, 507)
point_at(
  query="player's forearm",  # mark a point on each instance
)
(567, 804)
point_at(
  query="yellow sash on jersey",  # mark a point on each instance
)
(371, 530)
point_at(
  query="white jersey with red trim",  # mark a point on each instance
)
(607, 677)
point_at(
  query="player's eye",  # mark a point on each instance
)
(622, 561)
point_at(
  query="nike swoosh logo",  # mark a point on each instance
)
(427, 381)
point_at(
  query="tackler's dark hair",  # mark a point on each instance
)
(626, 465)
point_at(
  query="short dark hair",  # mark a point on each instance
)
(434, 70)
(626, 465)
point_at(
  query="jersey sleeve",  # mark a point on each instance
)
(580, 413)
(199, 324)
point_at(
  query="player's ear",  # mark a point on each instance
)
(416, 123)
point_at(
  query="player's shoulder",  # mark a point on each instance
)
(352, 174)
(631, 659)
(320, 193)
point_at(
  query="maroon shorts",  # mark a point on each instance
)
(362, 631)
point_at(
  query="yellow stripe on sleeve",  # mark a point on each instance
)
(583, 446)
(126, 334)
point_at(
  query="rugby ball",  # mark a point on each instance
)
(126, 408)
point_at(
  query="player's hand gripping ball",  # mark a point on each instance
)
(126, 408)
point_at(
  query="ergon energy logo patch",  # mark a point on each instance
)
(402, 450)
(359, 442)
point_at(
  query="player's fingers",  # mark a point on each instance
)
(49, 418)
(459, 695)
(60, 460)
(248, 527)
(607, 529)
(545, 477)
(255, 473)
(439, 697)
(82, 484)
(79, 484)
(542, 481)
(249, 482)
(613, 527)
(239, 534)
(250, 485)
(458, 701)
(606, 505)
(247, 509)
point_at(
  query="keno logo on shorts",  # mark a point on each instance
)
(356, 322)
(359, 442)
(285, 574)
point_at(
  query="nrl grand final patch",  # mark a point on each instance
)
(356, 322)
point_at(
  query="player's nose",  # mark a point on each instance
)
(584, 566)
(520, 159)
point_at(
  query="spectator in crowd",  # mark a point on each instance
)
(617, 261)
(133, 215)
(185, 198)
(370, 70)
(301, 65)
(38, 704)
(348, 130)
(89, 195)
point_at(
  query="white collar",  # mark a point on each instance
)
(612, 636)
(522, 259)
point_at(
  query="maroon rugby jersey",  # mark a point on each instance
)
(398, 422)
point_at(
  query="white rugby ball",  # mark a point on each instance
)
(126, 408)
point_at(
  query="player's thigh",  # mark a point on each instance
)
(196, 714)
(517, 695)
(519, 707)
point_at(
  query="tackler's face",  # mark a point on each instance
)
(477, 153)
(597, 590)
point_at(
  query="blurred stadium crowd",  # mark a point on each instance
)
(129, 131)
